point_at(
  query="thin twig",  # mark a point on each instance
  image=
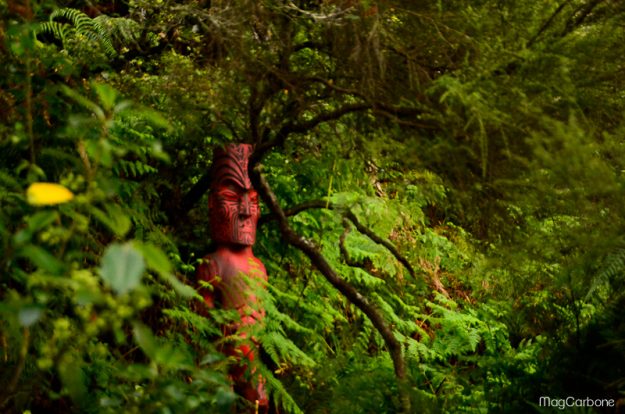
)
(18, 369)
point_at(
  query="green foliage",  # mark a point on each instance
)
(481, 140)
(79, 25)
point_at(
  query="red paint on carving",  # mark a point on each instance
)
(234, 213)
(233, 203)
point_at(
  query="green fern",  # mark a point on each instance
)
(363, 339)
(184, 315)
(613, 266)
(60, 31)
(459, 331)
(81, 24)
(120, 29)
(133, 169)
(280, 348)
(273, 336)
(279, 394)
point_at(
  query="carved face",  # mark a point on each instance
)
(233, 203)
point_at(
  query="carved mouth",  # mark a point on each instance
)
(246, 225)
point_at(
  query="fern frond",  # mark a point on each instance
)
(363, 338)
(459, 331)
(321, 316)
(56, 29)
(280, 349)
(279, 394)
(402, 326)
(185, 315)
(133, 169)
(614, 265)
(123, 30)
(82, 24)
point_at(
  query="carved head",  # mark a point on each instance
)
(233, 203)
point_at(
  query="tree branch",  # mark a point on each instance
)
(195, 193)
(344, 253)
(304, 126)
(547, 23)
(388, 111)
(379, 240)
(585, 11)
(254, 108)
(348, 214)
(347, 290)
(8, 393)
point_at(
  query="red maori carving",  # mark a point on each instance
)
(233, 203)
(234, 213)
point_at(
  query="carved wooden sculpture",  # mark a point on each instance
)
(234, 213)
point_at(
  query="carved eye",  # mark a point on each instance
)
(253, 196)
(229, 195)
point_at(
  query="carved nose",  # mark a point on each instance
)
(244, 206)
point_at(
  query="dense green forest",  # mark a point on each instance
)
(443, 203)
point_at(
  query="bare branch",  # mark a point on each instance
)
(577, 20)
(345, 254)
(379, 240)
(397, 112)
(195, 193)
(394, 113)
(331, 85)
(303, 126)
(330, 116)
(348, 214)
(335, 17)
(547, 23)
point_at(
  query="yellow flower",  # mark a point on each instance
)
(45, 194)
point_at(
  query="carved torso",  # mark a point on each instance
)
(231, 272)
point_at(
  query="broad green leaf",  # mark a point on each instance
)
(29, 314)
(35, 223)
(122, 267)
(345, 198)
(153, 117)
(162, 353)
(107, 95)
(182, 289)
(122, 106)
(225, 397)
(21, 39)
(86, 103)
(42, 219)
(114, 218)
(211, 358)
(145, 339)
(155, 258)
(73, 377)
(42, 258)
(157, 261)
(158, 153)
